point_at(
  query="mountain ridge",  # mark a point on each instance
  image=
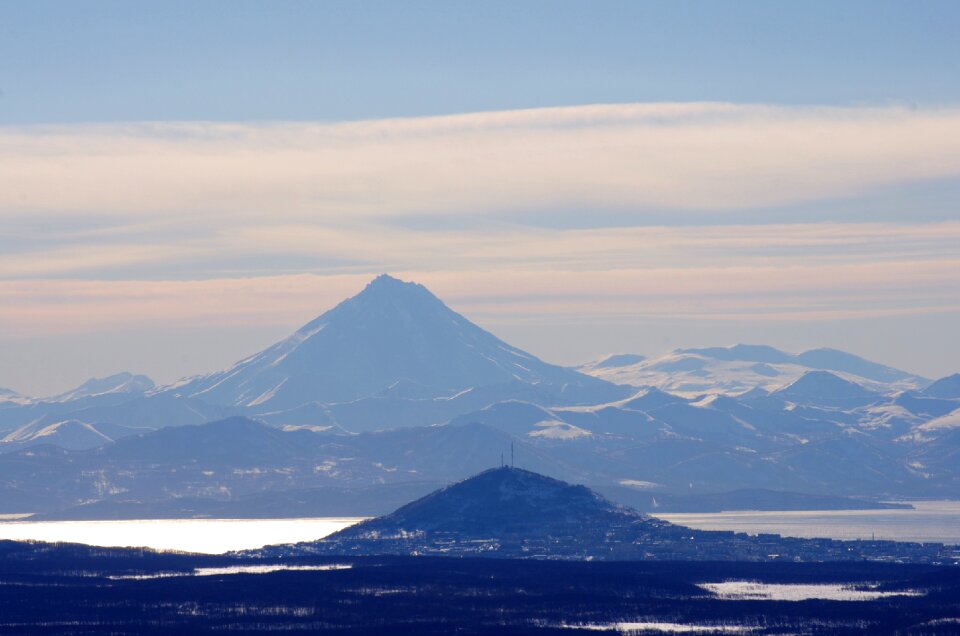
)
(740, 368)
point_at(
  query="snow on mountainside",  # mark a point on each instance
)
(393, 331)
(126, 383)
(948, 421)
(740, 368)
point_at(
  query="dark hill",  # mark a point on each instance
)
(496, 502)
(512, 513)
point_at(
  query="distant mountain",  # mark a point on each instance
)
(651, 399)
(114, 414)
(743, 353)
(617, 360)
(920, 405)
(823, 387)
(740, 368)
(835, 360)
(392, 332)
(948, 387)
(512, 513)
(524, 419)
(67, 434)
(10, 398)
(124, 383)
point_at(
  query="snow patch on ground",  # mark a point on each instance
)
(666, 628)
(757, 591)
(638, 484)
(554, 429)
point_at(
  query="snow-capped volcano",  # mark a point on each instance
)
(393, 331)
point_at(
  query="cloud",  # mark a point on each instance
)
(270, 223)
(784, 291)
(258, 249)
(667, 156)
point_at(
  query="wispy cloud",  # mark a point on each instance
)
(268, 223)
(674, 156)
(761, 291)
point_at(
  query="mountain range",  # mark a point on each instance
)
(740, 368)
(391, 390)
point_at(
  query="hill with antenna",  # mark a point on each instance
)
(505, 501)
(509, 512)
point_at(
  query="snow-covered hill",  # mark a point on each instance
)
(121, 383)
(68, 434)
(740, 368)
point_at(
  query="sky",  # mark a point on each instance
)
(183, 183)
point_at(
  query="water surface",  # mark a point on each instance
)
(209, 536)
(930, 521)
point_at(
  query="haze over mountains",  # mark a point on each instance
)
(392, 392)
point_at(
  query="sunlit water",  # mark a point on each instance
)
(210, 536)
(235, 569)
(930, 521)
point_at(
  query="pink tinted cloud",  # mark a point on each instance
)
(799, 292)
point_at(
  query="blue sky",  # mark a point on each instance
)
(183, 182)
(242, 60)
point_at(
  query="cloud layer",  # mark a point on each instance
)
(140, 224)
(672, 156)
